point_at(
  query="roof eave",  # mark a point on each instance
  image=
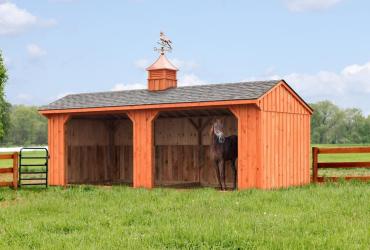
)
(164, 106)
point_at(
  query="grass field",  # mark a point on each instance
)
(327, 216)
(330, 216)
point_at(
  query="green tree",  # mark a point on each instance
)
(332, 125)
(326, 122)
(4, 105)
(27, 127)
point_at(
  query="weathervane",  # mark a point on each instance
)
(164, 43)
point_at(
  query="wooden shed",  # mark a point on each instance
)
(159, 136)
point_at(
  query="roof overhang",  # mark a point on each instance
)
(169, 106)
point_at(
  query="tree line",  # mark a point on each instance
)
(333, 125)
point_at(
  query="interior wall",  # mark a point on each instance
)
(99, 151)
(179, 159)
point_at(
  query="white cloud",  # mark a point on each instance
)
(61, 95)
(7, 61)
(348, 88)
(142, 63)
(23, 97)
(62, 1)
(123, 86)
(184, 65)
(47, 23)
(309, 5)
(35, 51)
(190, 80)
(14, 20)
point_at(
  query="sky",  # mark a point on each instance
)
(57, 47)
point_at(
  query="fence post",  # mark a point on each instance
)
(315, 160)
(15, 170)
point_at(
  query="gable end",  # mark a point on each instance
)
(282, 98)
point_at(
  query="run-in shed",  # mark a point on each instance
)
(159, 136)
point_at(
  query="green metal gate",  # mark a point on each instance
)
(33, 166)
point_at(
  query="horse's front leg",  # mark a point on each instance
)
(223, 174)
(218, 173)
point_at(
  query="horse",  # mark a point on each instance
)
(223, 149)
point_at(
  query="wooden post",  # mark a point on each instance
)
(15, 170)
(315, 153)
(143, 149)
(58, 171)
(250, 169)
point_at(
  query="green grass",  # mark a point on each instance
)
(330, 216)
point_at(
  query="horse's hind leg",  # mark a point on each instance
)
(235, 173)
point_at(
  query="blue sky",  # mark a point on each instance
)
(55, 47)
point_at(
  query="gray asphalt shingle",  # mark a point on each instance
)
(200, 93)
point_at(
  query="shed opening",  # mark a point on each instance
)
(182, 147)
(99, 149)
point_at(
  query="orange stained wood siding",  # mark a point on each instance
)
(57, 175)
(250, 168)
(161, 79)
(282, 99)
(285, 139)
(143, 149)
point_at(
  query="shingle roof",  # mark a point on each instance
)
(200, 93)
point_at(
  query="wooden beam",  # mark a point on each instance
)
(344, 150)
(170, 106)
(6, 170)
(7, 156)
(344, 165)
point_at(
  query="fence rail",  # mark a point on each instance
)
(316, 164)
(10, 169)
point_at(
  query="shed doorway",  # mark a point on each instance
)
(99, 149)
(182, 147)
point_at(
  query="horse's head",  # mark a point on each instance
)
(217, 129)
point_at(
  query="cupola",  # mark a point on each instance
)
(162, 73)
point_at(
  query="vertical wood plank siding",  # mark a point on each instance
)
(143, 148)
(250, 168)
(285, 139)
(57, 149)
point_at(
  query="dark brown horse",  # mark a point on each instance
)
(223, 149)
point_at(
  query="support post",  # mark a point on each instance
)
(57, 173)
(315, 160)
(15, 170)
(250, 169)
(143, 149)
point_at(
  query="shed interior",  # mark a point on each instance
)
(182, 147)
(100, 148)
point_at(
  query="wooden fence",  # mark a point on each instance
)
(10, 169)
(316, 164)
